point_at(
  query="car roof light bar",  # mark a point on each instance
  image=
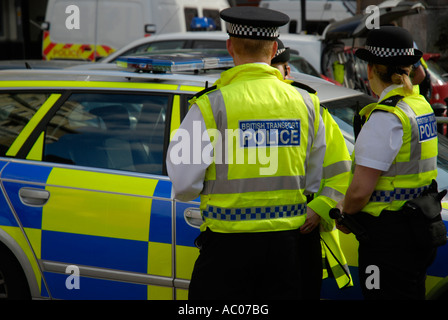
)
(174, 63)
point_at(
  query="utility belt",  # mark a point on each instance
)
(425, 212)
(420, 218)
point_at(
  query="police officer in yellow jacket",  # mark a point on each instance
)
(320, 241)
(262, 148)
(395, 160)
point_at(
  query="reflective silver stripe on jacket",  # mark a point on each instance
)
(416, 164)
(266, 183)
(260, 184)
(336, 168)
(397, 194)
(311, 118)
(331, 171)
(254, 213)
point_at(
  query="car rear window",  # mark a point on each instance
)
(209, 44)
(16, 110)
(111, 131)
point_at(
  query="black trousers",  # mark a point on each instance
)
(265, 265)
(394, 260)
(310, 251)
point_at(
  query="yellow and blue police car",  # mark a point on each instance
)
(86, 206)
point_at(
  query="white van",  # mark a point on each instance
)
(91, 29)
(319, 13)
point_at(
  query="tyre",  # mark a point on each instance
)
(13, 283)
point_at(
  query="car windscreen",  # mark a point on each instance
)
(442, 162)
(346, 107)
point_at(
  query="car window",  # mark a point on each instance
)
(214, 14)
(15, 112)
(442, 162)
(436, 72)
(139, 49)
(343, 111)
(208, 44)
(303, 66)
(189, 13)
(155, 46)
(112, 131)
(345, 108)
(166, 45)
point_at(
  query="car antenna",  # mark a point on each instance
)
(206, 84)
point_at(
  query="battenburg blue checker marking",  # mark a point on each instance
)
(94, 289)
(398, 194)
(427, 127)
(95, 251)
(254, 213)
(269, 133)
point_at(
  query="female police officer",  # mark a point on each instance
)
(395, 160)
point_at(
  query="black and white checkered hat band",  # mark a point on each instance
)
(252, 32)
(280, 51)
(390, 52)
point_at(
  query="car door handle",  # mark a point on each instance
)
(33, 196)
(193, 217)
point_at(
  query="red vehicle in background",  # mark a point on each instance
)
(439, 79)
(439, 86)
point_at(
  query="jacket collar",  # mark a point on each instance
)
(246, 72)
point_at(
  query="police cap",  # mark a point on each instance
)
(389, 45)
(282, 54)
(253, 22)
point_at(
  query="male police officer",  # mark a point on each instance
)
(266, 153)
(320, 237)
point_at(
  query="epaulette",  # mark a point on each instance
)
(391, 101)
(303, 86)
(200, 93)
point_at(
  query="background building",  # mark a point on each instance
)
(20, 33)
(429, 28)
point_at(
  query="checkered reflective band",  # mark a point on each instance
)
(390, 52)
(398, 194)
(252, 32)
(280, 51)
(254, 213)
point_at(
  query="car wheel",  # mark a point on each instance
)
(13, 284)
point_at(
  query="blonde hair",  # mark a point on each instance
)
(252, 48)
(394, 75)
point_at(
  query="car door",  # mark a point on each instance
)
(187, 215)
(87, 186)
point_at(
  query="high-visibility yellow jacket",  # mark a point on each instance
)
(333, 256)
(336, 175)
(415, 166)
(262, 133)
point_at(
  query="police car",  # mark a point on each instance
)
(303, 49)
(86, 206)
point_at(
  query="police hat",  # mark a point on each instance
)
(389, 45)
(282, 54)
(253, 22)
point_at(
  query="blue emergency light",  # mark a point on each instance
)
(202, 23)
(177, 62)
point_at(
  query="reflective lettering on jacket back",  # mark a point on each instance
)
(427, 127)
(266, 133)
